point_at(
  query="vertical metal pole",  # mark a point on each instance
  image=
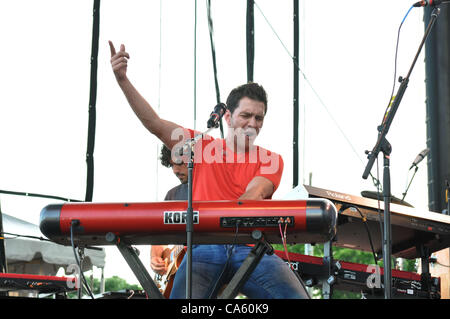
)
(189, 229)
(195, 65)
(327, 289)
(92, 103)
(3, 263)
(296, 93)
(387, 228)
(250, 26)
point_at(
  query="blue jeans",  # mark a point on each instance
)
(272, 278)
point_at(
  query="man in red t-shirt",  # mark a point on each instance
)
(225, 169)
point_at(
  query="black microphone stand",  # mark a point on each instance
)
(407, 188)
(189, 224)
(213, 122)
(189, 148)
(383, 145)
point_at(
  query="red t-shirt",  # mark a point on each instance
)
(221, 174)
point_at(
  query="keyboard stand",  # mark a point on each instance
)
(130, 255)
(248, 265)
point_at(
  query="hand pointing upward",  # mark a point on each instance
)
(119, 61)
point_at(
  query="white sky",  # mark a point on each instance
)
(347, 54)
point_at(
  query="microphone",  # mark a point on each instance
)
(216, 115)
(420, 157)
(433, 3)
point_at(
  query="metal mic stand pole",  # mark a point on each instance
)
(410, 182)
(189, 225)
(190, 212)
(384, 146)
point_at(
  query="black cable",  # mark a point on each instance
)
(39, 195)
(39, 238)
(213, 54)
(219, 279)
(85, 283)
(380, 221)
(290, 265)
(395, 64)
(302, 283)
(24, 236)
(448, 266)
(364, 219)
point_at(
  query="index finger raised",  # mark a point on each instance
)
(112, 48)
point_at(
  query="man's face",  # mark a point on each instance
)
(180, 171)
(246, 121)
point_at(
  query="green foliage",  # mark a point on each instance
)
(410, 265)
(114, 283)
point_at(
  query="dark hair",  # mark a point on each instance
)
(251, 90)
(166, 156)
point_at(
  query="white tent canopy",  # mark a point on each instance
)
(42, 257)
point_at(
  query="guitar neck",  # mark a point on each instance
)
(177, 249)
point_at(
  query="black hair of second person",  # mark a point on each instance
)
(165, 156)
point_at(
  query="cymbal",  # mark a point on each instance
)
(394, 200)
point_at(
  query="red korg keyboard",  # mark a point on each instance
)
(309, 221)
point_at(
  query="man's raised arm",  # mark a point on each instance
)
(161, 128)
